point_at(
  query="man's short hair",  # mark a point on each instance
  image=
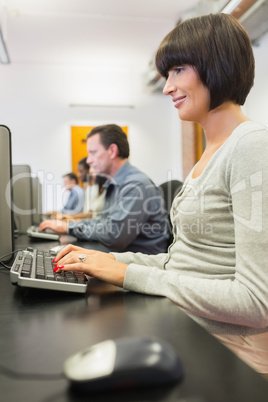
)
(72, 176)
(112, 134)
(219, 49)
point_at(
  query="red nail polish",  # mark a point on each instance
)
(60, 266)
(56, 268)
(54, 259)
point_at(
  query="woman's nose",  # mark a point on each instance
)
(169, 87)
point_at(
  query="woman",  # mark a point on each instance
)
(216, 267)
(94, 197)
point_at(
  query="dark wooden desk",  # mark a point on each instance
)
(23, 241)
(40, 329)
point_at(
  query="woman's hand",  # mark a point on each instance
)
(97, 264)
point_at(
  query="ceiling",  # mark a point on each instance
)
(88, 31)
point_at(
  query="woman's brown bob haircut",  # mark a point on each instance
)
(219, 49)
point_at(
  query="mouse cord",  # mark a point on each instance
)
(30, 376)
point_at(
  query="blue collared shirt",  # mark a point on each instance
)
(133, 217)
(75, 202)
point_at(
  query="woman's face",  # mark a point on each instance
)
(82, 173)
(191, 98)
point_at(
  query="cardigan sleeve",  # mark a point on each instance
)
(243, 298)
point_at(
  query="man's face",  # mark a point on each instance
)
(98, 157)
(68, 184)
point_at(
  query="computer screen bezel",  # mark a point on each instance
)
(22, 197)
(6, 212)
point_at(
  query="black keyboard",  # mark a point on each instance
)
(34, 268)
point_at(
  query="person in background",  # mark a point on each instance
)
(94, 193)
(216, 268)
(75, 201)
(133, 217)
(83, 172)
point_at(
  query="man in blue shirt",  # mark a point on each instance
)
(75, 201)
(133, 217)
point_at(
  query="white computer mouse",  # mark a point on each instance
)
(123, 363)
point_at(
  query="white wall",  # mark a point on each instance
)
(34, 104)
(35, 99)
(257, 102)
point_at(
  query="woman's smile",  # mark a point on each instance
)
(191, 98)
(178, 101)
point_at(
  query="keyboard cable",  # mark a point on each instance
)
(6, 255)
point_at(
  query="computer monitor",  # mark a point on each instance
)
(6, 215)
(36, 201)
(22, 197)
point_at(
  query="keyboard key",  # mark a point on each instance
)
(34, 268)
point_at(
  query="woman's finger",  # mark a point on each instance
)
(69, 267)
(65, 251)
(72, 257)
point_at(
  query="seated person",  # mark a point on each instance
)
(94, 193)
(133, 217)
(83, 171)
(75, 200)
(216, 267)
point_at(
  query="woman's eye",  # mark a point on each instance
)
(178, 69)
